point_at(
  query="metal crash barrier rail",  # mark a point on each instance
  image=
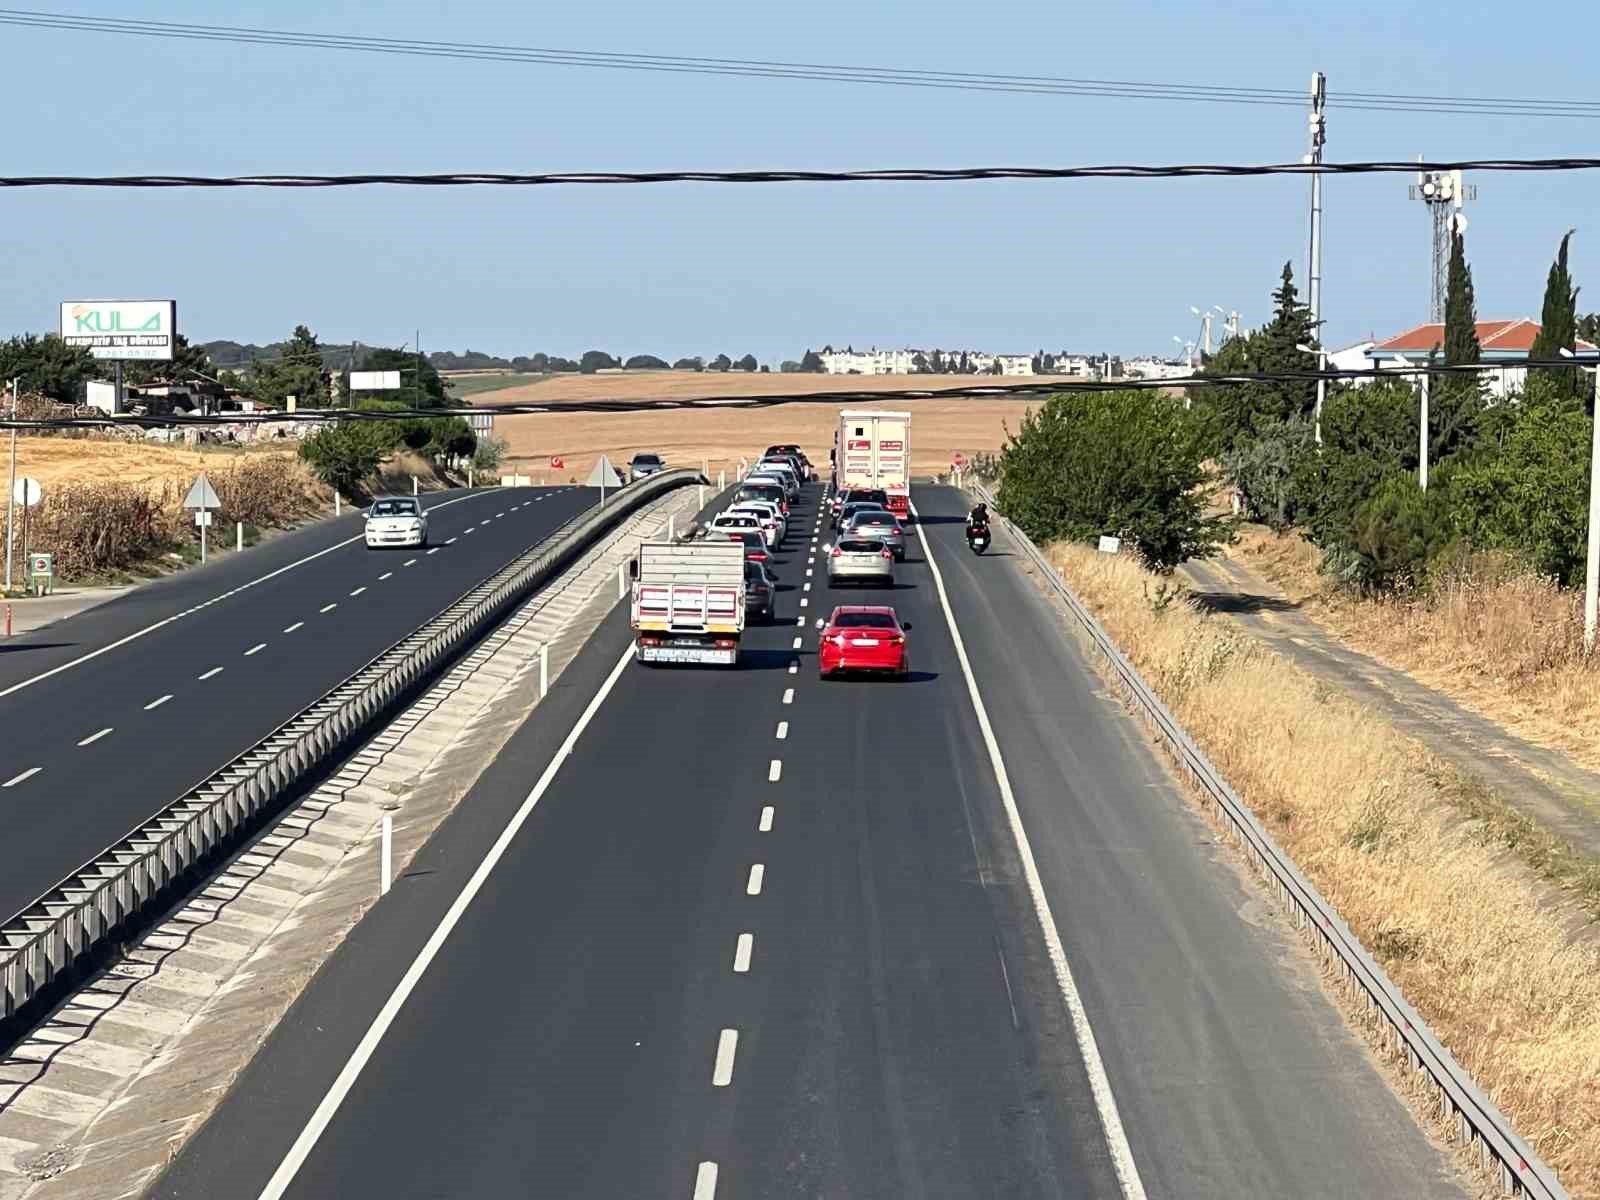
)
(1461, 1107)
(43, 943)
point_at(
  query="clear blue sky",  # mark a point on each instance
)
(694, 269)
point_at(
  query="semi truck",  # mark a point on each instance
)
(688, 602)
(872, 449)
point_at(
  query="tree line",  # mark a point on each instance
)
(1506, 474)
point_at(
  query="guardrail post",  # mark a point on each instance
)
(622, 580)
(238, 535)
(722, 479)
(672, 527)
(388, 854)
(544, 669)
(469, 476)
(338, 503)
(413, 485)
(699, 497)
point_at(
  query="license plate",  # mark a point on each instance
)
(679, 654)
(864, 642)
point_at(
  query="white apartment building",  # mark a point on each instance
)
(867, 362)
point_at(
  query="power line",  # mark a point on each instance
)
(883, 175)
(820, 72)
(772, 399)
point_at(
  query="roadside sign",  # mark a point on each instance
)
(557, 462)
(26, 492)
(121, 329)
(1110, 545)
(604, 475)
(482, 422)
(374, 381)
(42, 571)
(201, 494)
(202, 518)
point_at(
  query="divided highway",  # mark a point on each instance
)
(113, 714)
(765, 936)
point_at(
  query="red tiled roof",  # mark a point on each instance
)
(1501, 337)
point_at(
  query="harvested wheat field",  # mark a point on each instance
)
(939, 428)
(55, 461)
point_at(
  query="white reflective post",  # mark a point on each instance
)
(238, 535)
(338, 503)
(386, 868)
(544, 669)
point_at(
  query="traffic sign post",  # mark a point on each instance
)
(202, 499)
(27, 493)
(42, 573)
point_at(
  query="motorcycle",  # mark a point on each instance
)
(977, 538)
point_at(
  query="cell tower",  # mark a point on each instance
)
(1444, 194)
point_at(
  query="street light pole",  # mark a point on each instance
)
(1422, 426)
(1318, 134)
(11, 484)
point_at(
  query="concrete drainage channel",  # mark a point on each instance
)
(96, 1100)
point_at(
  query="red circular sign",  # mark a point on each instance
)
(557, 461)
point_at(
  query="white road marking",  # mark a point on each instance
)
(450, 542)
(804, 602)
(808, 572)
(705, 1179)
(767, 814)
(498, 515)
(359, 590)
(410, 562)
(727, 1047)
(794, 667)
(157, 703)
(796, 646)
(210, 673)
(28, 774)
(800, 620)
(741, 953)
(485, 521)
(788, 695)
(435, 550)
(165, 621)
(783, 734)
(295, 626)
(464, 532)
(808, 586)
(328, 608)
(384, 576)
(757, 874)
(256, 649)
(1121, 1153)
(292, 1161)
(95, 737)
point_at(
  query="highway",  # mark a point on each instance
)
(764, 936)
(113, 714)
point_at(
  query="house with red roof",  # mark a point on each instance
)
(1505, 342)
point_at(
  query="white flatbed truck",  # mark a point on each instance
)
(688, 602)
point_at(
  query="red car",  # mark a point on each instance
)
(863, 638)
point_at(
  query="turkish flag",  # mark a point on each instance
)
(556, 461)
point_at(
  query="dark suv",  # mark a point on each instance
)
(759, 590)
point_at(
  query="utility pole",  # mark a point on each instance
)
(1318, 135)
(419, 368)
(11, 484)
(1422, 427)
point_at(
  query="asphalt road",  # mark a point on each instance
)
(597, 1025)
(113, 714)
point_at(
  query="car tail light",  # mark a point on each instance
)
(886, 553)
(897, 640)
(838, 640)
(837, 552)
(724, 643)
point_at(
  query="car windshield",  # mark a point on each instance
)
(863, 620)
(860, 546)
(871, 516)
(755, 492)
(646, 460)
(395, 508)
(874, 497)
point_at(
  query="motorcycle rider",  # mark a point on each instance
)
(978, 518)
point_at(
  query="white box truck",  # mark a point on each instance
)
(688, 602)
(872, 449)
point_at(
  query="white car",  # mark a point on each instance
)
(768, 508)
(396, 521)
(771, 523)
(784, 479)
(732, 522)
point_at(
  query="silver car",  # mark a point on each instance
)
(396, 521)
(881, 525)
(860, 560)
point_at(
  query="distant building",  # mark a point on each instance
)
(1505, 342)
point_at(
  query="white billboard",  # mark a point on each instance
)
(126, 329)
(374, 381)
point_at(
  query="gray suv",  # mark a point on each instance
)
(645, 463)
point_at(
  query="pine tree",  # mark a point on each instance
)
(1456, 399)
(1558, 325)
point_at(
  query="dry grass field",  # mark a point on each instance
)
(1418, 866)
(939, 428)
(55, 461)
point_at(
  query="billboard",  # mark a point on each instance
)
(125, 329)
(374, 381)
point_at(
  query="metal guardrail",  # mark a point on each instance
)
(1462, 1108)
(52, 935)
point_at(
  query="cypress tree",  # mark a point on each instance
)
(1558, 324)
(1457, 399)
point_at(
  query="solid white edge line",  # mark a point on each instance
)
(165, 621)
(95, 737)
(705, 1176)
(324, 1114)
(741, 953)
(727, 1048)
(158, 703)
(1105, 1101)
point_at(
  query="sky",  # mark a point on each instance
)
(682, 269)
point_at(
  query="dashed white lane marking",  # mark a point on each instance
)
(305, 1142)
(808, 586)
(256, 649)
(498, 515)
(16, 779)
(794, 667)
(328, 608)
(410, 562)
(788, 695)
(804, 602)
(741, 953)
(757, 874)
(210, 673)
(464, 532)
(808, 572)
(783, 735)
(1105, 1101)
(485, 521)
(359, 590)
(796, 646)
(95, 737)
(705, 1179)
(727, 1047)
(295, 626)
(767, 814)
(435, 550)
(158, 702)
(384, 576)
(450, 542)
